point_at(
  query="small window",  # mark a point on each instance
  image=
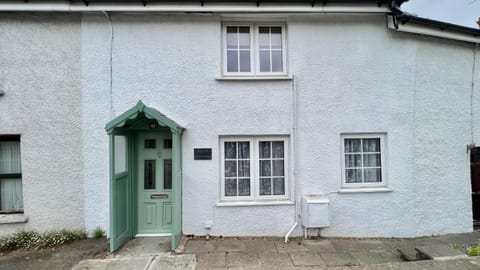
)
(254, 169)
(167, 143)
(150, 143)
(254, 49)
(363, 160)
(11, 190)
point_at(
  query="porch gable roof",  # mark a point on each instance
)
(149, 113)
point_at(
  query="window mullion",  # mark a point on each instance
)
(361, 158)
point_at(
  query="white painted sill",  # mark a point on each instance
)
(13, 218)
(364, 190)
(264, 203)
(254, 78)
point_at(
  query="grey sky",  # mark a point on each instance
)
(462, 12)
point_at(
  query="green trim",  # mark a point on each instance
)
(150, 113)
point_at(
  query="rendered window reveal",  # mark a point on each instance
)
(11, 192)
(254, 50)
(254, 169)
(363, 160)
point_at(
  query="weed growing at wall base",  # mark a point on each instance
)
(33, 240)
(98, 232)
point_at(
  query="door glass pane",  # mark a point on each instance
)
(167, 174)
(230, 187)
(277, 149)
(353, 175)
(278, 169)
(150, 143)
(264, 149)
(278, 186)
(167, 143)
(244, 150)
(149, 174)
(244, 187)
(230, 150)
(265, 186)
(11, 195)
(10, 157)
(120, 154)
(265, 168)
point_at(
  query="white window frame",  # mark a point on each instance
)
(255, 169)
(254, 49)
(383, 156)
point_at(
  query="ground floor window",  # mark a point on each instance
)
(363, 160)
(254, 168)
(11, 193)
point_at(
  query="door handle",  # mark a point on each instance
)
(159, 196)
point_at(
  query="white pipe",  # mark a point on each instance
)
(410, 28)
(290, 231)
(216, 8)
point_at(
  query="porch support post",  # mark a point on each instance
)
(177, 188)
(111, 151)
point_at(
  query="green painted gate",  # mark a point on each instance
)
(123, 171)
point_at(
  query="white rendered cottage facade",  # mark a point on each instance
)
(212, 118)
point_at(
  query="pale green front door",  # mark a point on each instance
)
(154, 183)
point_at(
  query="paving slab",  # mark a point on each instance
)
(230, 245)
(213, 259)
(260, 246)
(200, 246)
(307, 259)
(240, 259)
(144, 246)
(174, 262)
(116, 264)
(344, 245)
(338, 259)
(375, 257)
(275, 260)
(440, 252)
(291, 246)
(321, 245)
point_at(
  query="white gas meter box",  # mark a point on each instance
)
(315, 211)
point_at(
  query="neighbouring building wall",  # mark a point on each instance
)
(443, 128)
(40, 73)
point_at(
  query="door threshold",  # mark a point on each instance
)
(152, 234)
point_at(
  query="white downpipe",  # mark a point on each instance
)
(290, 231)
(207, 7)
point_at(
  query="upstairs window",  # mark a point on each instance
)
(11, 193)
(254, 50)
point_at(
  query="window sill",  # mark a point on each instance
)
(264, 203)
(254, 78)
(365, 190)
(13, 218)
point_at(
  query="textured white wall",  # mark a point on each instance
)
(352, 75)
(41, 76)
